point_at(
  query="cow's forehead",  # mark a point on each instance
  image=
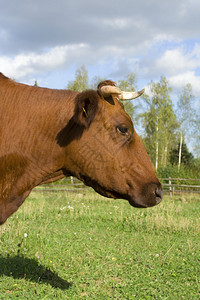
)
(114, 104)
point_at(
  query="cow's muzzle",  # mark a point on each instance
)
(150, 195)
(159, 194)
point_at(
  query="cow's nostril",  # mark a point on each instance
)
(159, 194)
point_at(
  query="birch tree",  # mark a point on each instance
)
(185, 117)
(160, 123)
(197, 141)
(81, 80)
(196, 144)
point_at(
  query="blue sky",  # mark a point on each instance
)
(48, 40)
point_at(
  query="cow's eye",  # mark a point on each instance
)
(122, 130)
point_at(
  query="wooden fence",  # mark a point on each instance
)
(170, 185)
(180, 185)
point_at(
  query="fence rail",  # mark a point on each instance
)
(170, 185)
(180, 185)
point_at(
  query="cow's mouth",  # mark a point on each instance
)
(151, 194)
(153, 202)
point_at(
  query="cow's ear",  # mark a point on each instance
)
(86, 104)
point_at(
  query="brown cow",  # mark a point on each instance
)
(47, 134)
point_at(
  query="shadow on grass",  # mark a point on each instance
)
(22, 267)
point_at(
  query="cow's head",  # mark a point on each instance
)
(104, 151)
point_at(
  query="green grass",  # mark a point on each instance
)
(83, 246)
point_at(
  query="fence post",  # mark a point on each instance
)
(170, 187)
(72, 179)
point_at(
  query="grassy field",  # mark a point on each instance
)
(83, 246)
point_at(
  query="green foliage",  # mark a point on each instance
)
(160, 123)
(173, 172)
(83, 246)
(81, 80)
(196, 166)
(197, 145)
(196, 124)
(185, 111)
(95, 81)
(185, 114)
(187, 157)
(129, 108)
(128, 84)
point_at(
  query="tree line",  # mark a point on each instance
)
(166, 130)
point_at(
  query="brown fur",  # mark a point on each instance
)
(48, 134)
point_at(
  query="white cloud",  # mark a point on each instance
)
(26, 64)
(177, 60)
(171, 61)
(179, 65)
(180, 80)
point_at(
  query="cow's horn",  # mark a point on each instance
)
(108, 90)
(130, 95)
